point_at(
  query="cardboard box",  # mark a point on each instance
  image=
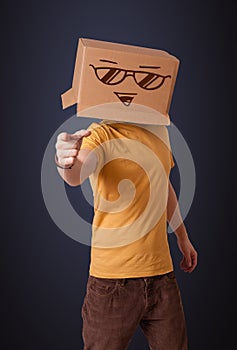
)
(122, 82)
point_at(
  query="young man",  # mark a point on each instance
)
(131, 280)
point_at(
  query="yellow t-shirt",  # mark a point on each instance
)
(130, 188)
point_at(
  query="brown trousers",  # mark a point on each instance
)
(114, 308)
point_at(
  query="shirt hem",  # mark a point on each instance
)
(136, 275)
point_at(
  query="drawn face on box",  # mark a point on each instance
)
(122, 82)
(128, 79)
(145, 77)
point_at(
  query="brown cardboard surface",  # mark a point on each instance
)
(122, 82)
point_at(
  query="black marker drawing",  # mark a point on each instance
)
(125, 97)
(144, 79)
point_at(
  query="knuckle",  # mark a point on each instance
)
(59, 153)
(59, 137)
(69, 160)
(59, 145)
(63, 136)
(60, 160)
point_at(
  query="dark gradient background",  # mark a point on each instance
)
(44, 272)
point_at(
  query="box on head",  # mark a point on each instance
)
(122, 82)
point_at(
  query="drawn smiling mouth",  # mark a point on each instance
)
(125, 97)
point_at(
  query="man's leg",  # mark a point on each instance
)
(163, 322)
(111, 313)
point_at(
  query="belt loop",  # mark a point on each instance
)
(122, 282)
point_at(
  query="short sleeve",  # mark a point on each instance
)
(94, 141)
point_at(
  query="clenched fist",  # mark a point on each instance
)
(68, 146)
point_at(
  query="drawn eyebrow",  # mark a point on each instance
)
(155, 67)
(108, 61)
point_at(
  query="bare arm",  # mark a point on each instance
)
(189, 261)
(78, 164)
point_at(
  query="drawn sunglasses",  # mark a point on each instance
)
(114, 76)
